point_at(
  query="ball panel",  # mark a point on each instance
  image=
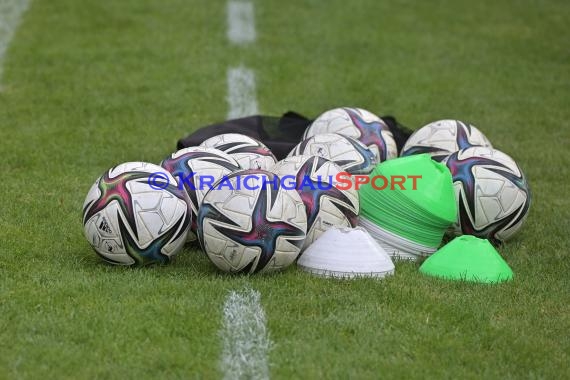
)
(102, 232)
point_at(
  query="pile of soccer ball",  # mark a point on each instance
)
(250, 213)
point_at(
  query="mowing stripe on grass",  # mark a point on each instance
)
(241, 25)
(10, 13)
(246, 342)
(241, 92)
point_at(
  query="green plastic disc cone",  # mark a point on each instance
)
(468, 258)
(434, 191)
(420, 213)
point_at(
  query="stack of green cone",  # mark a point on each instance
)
(468, 258)
(413, 216)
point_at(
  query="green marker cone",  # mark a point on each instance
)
(468, 258)
(419, 213)
(434, 191)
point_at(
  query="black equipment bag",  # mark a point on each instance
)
(280, 134)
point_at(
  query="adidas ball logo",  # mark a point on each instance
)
(104, 226)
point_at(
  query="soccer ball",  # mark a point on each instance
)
(136, 214)
(443, 137)
(315, 179)
(248, 223)
(492, 194)
(360, 124)
(348, 153)
(197, 169)
(248, 152)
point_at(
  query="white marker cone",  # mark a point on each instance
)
(346, 253)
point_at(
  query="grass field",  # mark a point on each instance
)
(90, 84)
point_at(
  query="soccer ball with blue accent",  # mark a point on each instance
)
(247, 151)
(197, 169)
(441, 138)
(348, 153)
(327, 206)
(360, 124)
(492, 193)
(135, 214)
(249, 223)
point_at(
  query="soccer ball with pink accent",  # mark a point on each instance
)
(492, 193)
(247, 151)
(197, 169)
(348, 153)
(248, 223)
(327, 206)
(135, 214)
(360, 124)
(441, 138)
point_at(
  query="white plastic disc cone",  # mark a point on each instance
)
(346, 252)
(397, 247)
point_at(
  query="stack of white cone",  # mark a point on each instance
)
(346, 253)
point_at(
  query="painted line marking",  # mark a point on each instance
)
(244, 334)
(241, 92)
(241, 23)
(245, 338)
(10, 14)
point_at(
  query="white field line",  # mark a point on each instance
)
(245, 338)
(10, 13)
(244, 334)
(241, 24)
(241, 92)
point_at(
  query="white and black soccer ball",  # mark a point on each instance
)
(248, 223)
(327, 206)
(360, 124)
(135, 214)
(348, 153)
(197, 169)
(492, 194)
(247, 151)
(441, 138)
